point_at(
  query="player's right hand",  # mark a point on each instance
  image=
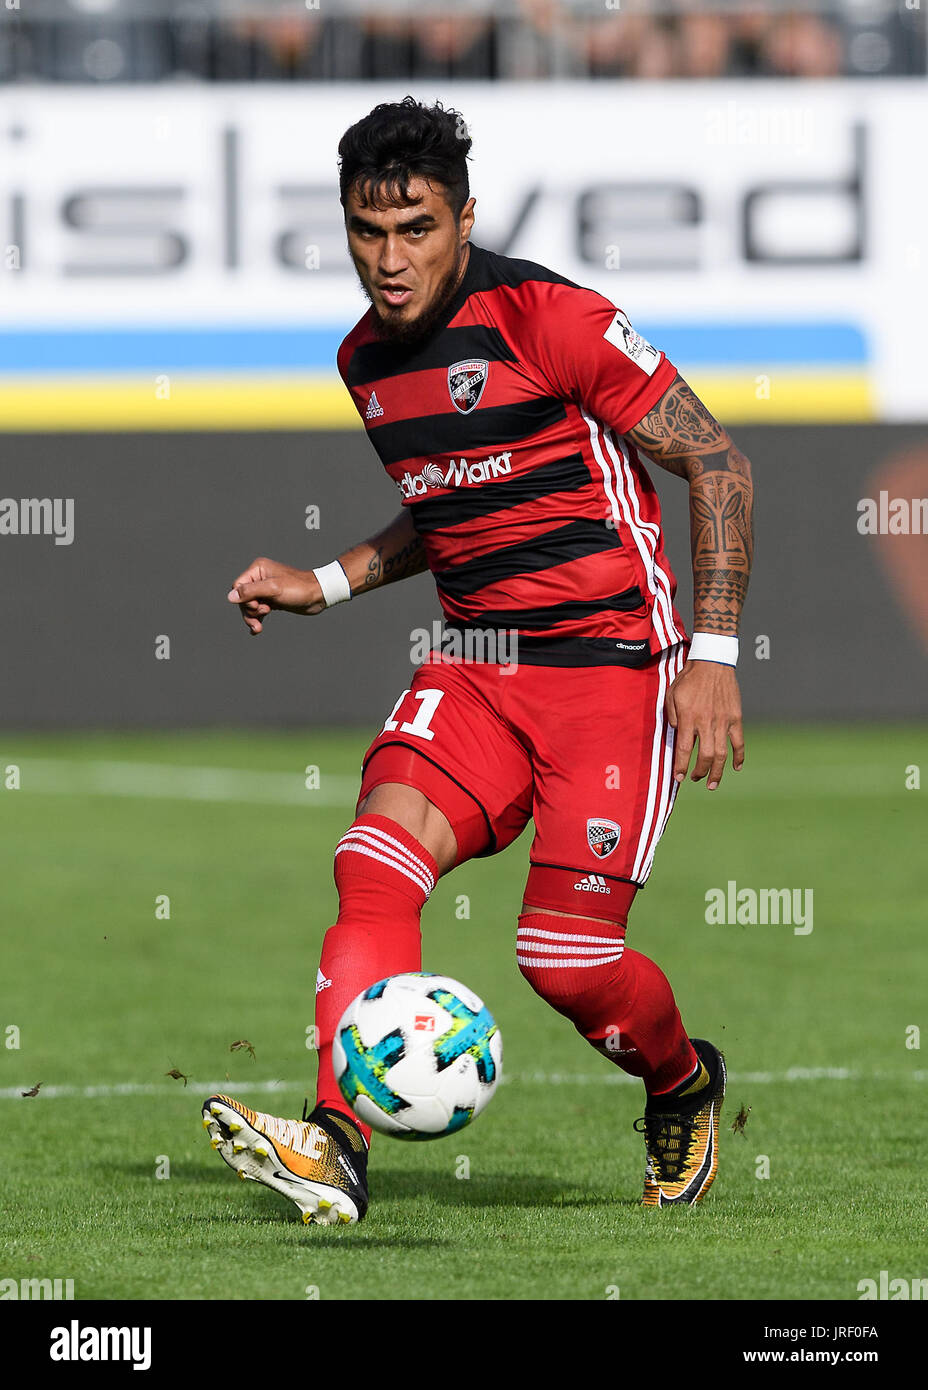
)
(267, 584)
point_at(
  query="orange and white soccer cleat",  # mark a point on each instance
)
(319, 1162)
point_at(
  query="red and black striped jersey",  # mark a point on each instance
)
(505, 433)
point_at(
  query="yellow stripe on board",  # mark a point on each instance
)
(795, 397)
(250, 402)
(320, 402)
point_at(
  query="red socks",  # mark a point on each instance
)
(617, 998)
(384, 877)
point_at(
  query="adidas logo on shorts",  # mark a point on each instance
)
(593, 883)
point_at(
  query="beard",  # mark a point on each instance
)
(400, 332)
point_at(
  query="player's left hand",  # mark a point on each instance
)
(704, 705)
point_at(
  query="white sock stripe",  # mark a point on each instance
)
(529, 944)
(552, 947)
(410, 860)
(525, 932)
(390, 842)
(393, 863)
(555, 963)
(389, 857)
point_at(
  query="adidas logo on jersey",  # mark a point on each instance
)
(593, 883)
(374, 408)
(321, 982)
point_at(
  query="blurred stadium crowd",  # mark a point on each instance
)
(105, 41)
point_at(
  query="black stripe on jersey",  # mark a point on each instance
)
(454, 433)
(378, 361)
(562, 475)
(526, 619)
(485, 430)
(579, 651)
(555, 547)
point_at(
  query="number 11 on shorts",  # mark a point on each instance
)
(428, 704)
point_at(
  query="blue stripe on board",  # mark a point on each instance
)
(246, 348)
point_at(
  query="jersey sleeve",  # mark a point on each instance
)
(587, 351)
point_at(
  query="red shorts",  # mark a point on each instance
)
(587, 751)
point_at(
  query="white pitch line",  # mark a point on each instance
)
(182, 782)
(148, 1088)
(530, 1078)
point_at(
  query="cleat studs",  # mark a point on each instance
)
(214, 1143)
(215, 1110)
(324, 1205)
(260, 1151)
(344, 1218)
(307, 1218)
(206, 1122)
(242, 1174)
(238, 1148)
(233, 1127)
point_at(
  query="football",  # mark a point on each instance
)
(417, 1056)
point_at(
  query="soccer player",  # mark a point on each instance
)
(514, 410)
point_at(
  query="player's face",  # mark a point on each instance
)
(409, 259)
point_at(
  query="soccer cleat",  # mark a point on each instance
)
(683, 1144)
(319, 1162)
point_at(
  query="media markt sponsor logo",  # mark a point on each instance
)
(458, 473)
(602, 836)
(466, 381)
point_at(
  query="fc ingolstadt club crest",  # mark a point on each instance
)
(466, 381)
(602, 836)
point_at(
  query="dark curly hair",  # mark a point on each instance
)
(399, 141)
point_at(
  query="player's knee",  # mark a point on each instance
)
(570, 961)
(411, 808)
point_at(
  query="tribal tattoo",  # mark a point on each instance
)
(680, 435)
(399, 565)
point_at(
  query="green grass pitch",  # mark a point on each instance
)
(108, 997)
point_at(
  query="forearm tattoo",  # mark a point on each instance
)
(404, 562)
(681, 436)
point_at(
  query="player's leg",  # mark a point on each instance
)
(443, 781)
(604, 793)
(419, 813)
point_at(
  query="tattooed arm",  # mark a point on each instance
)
(704, 702)
(394, 553)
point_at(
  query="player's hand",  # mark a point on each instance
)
(267, 584)
(704, 705)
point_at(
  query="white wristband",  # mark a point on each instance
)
(713, 646)
(333, 581)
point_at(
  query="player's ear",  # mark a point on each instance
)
(466, 220)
